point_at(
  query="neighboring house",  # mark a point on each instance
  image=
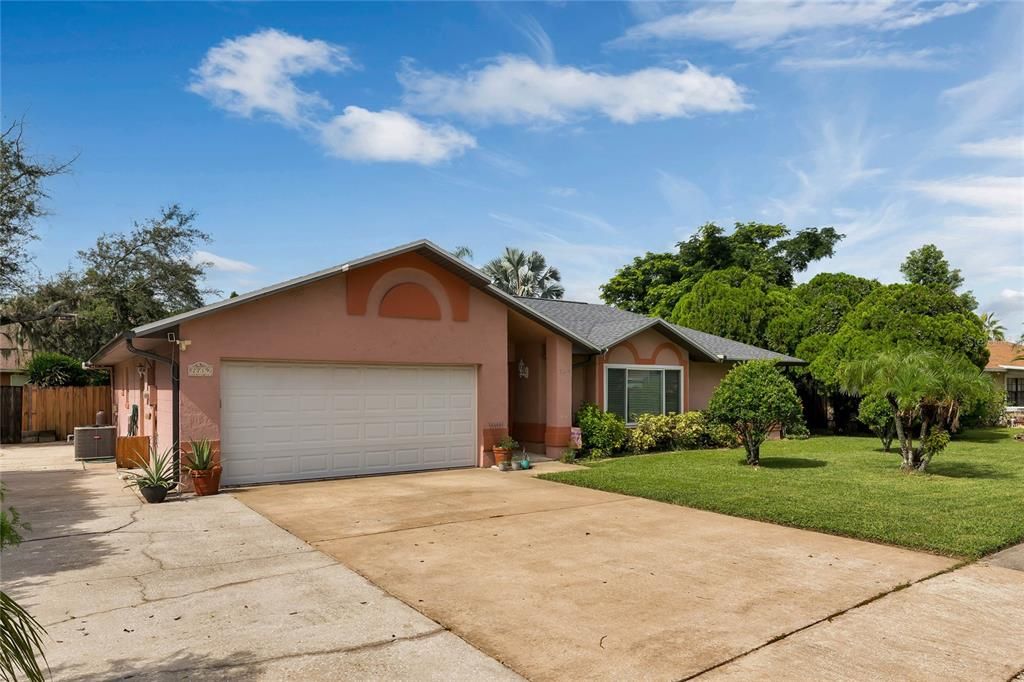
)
(1008, 372)
(15, 354)
(404, 360)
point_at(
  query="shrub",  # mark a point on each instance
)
(652, 432)
(601, 430)
(722, 436)
(988, 410)
(687, 431)
(797, 431)
(690, 432)
(56, 369)
(877, 414)
(754, 399)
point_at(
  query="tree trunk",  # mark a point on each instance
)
(830, 413)
(753, 448)
(906, 443)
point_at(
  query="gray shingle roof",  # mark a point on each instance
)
(604, 326)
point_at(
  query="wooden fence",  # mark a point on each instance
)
(56, 409)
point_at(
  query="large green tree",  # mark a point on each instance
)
(125, 280)
(654, 283)
(733, 303)
(928, 267)
(818, 310)
(903, 318)
(524, 274)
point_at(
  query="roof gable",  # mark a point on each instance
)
(604, 326)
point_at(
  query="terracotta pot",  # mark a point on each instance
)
(207, 481)
(500, 455)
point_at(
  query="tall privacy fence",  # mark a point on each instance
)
(32, 409)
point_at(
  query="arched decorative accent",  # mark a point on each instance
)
(366, 287)
(421, 285)
(625, 345)
(667, 346)
(410, 300)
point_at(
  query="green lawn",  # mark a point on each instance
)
(970, 503)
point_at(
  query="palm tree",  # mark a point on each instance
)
(521, 274)
(463, 253)
(995, 331)
(921, 387)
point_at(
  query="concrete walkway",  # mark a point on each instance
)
(561, 582)
(200, 587)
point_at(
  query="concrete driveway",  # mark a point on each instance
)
(560, 582)
(200, 588)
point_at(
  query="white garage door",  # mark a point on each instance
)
(286, 422)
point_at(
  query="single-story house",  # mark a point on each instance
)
(1006, 367)
(404, 360)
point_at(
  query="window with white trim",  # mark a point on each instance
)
(1015, 392)
(631, 390)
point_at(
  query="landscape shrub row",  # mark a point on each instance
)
(605, 434)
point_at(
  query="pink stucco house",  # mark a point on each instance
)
(404, 360)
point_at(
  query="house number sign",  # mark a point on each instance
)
(200, 369)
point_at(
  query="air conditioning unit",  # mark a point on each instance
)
(95, 442)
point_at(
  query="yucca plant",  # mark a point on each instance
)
(156, 472)
(201, 458)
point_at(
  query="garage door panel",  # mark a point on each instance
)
(407, 401)
(433, 428)
(435, 401)
(314, 464)
(346, 433)
(292, 421)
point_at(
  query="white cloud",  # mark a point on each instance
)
(590, 219)
(563, 192)
(362, 135)
(838, 162)
(538, 39)
(1012, 294)
(255, 73)
(922, 60)
(750, 24)
(988, 192)
(517, 89)
(1010, 147)
(221, 263)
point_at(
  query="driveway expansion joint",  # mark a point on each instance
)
(826, 619)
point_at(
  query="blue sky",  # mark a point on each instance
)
(308, 134)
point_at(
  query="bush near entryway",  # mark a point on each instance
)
(603, 432)
(754, 399)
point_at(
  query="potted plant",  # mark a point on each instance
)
(155, 477)
(205, 473)
(501, 451)
(525, 463)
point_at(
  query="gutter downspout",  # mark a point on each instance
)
(175, 381)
